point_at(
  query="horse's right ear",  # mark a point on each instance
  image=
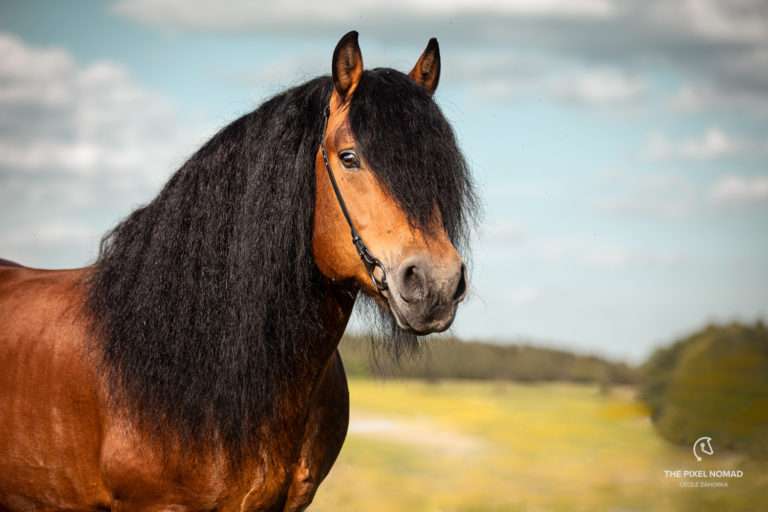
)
(347, 66)
(426, 72)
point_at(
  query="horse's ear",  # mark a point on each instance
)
(426, 72)
(347, 65)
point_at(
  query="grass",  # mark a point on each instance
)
(492, 447)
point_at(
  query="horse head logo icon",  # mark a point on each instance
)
(703, 445)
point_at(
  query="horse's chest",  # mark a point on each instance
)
(135, 474)
(268, 490)
(292, 461)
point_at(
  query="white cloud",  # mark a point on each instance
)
(507, 233)
(712, 144)
(738, 21)
(53, 232)
(510, 238)
(715, 20)
(723, 43)
(521, 295)
(600, 87)
(732, 189)
(496, 75)
(490, 75)
(505, 78)
(598, 252)
(33, 75)
(649, 195)
(669, 196)
(95, 119)
(702, 98)
(80, 145)
(286, 14)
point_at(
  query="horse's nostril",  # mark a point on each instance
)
(461, 286)
(412, 283)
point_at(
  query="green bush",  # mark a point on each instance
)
(713, 382)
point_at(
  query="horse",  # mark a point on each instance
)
(194, 364)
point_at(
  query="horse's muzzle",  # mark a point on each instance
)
(423, 297)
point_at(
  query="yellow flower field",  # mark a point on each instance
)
(492, 446)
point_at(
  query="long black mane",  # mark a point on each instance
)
(207, 299)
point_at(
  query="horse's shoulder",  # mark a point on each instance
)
(47, 393)
(138, 470)
(44, 308)
(324, 435)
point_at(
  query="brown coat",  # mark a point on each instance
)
(63, 447)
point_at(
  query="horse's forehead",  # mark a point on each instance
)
(343, 133)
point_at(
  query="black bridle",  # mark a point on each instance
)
(370, 261)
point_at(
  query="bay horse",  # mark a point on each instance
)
(194, 365)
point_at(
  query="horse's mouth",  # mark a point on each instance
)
(416, 326)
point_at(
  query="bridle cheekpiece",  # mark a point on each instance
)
(370, 261)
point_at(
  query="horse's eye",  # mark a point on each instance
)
(349, 159)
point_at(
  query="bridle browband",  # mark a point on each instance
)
(370, 261)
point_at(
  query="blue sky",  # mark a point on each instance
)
(620, 147)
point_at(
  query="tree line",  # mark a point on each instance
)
(449, 358)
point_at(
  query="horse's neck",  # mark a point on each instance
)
(337, 305)
(338, 301)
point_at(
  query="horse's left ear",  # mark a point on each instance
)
(347, 66)
(426, 72)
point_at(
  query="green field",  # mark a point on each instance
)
(496, 446)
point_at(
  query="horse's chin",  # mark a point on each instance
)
(409, 324)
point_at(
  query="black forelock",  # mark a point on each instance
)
(410, 146)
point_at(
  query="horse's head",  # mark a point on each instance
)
(406, 188)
